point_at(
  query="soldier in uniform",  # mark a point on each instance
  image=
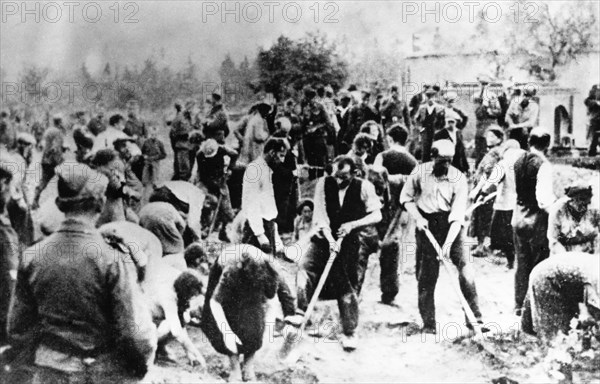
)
(430, 119)
(357, 116)
(216, 125)
(395, 110)
(181, 128)
(81, 317)
(135, 126)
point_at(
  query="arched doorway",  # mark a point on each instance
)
(562, 124)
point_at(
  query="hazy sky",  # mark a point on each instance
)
(68, 34)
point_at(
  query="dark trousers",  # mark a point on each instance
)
(501, 235)
(388, 262)
(428, 267)
(315, 150)
(531, 246)
(249, 238)
(482, 219)
(480, 149)
(47, 175)
(182, 169)
(594, 145)
(426, 143)
(346, 277)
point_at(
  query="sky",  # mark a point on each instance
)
(63, 35)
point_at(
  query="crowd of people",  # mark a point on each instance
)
(380, 167)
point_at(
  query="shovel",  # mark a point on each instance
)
(289, 341)
(463, 302)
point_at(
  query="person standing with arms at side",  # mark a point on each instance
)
(592, 102)
(430, 119)
(436, 195)
(533, 182)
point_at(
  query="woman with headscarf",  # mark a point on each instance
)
(573, 225)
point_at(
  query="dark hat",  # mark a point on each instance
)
(496, 130)
(305, 203)
(216, 96)
(529, 92)
(436, 88)
(26, 138)
(309, 93)
(263, 107)
(394, 88)
(579, 189)
(83, 139)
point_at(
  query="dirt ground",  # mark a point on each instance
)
(391, 347)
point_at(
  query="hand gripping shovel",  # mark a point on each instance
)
(463, 302)
(291, 339)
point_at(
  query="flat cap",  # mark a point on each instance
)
(77, 181)
(26, 138)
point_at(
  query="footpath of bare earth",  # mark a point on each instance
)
(391, 348)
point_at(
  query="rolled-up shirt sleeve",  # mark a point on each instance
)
(320, 218)
(411, 188)
(544, 188)
(459, 201)
(369, 196)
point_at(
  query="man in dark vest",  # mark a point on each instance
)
(436, 195)
(533, 181)
(350, 208)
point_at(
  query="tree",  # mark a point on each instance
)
(295, 64)
(554, 39)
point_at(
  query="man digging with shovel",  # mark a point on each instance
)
(345, 207)
(436, 196)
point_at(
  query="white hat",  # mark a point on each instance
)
(451, 115)
(445, 148)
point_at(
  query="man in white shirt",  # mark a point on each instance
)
(533, 172)
(258, 198)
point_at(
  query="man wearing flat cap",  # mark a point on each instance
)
(81, 317)
(533, 182)
(216, 125)
(429, 119)
(435, 194)
(452, 133)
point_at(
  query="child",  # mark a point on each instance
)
(153, 151)
(303, 222)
